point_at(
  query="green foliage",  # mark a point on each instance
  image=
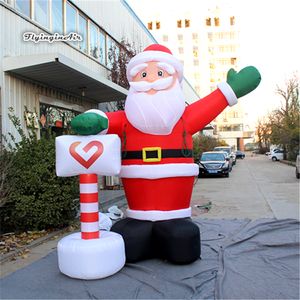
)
(37, 198)
(203, 143)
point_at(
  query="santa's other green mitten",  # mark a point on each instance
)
(243, 82)
(89, 123)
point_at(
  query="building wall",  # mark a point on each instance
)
(117, 19)
(17, 92)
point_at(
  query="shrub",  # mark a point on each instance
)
(37, 198)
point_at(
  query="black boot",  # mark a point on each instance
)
(137, 236)
(177, 240)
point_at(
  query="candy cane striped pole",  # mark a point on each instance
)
(89, 215)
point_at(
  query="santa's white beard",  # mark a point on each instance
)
(155, 114)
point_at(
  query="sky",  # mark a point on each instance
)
(270, 41)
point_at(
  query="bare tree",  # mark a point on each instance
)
(119, 56)
(284, 121)
(263, 132)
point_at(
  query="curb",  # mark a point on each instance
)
(37, 242)
(289, 163)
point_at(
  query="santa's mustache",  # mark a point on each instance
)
(144, 86)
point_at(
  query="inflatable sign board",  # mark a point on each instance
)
(93, 154)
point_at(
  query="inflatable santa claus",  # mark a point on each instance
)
(158, 169)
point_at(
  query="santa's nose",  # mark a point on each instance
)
(152, 78)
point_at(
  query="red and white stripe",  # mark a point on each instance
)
(89, 211)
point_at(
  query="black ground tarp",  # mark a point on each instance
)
(241, 259)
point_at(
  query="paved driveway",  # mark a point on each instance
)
(257, 188)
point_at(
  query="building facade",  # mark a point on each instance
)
(47, 82)
(207, 42)
(222, 31)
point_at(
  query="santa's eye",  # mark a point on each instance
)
(160, 73)
(144, 74)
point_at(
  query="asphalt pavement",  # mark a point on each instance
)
(257, 188)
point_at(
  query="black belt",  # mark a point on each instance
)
(154, 154)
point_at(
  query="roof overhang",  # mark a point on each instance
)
(57, 71)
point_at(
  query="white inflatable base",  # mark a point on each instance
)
(91, 259)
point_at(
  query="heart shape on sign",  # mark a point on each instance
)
(92, 159)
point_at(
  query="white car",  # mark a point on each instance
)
(276, 154)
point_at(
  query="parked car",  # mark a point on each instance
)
(276, 154)
(239, 154)
(214, 163)
(230, 152)
(298, 166)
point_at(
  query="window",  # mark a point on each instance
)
(180, 37)
(41, 12)
(232, 21)
(231, 127)
(56, 118)
(197, 76)
(217, 21)
(94, 49)
(149, 25)
(71, 15)
(187, 23)
(233, 60)
(113, 52)
(165, 38)
(195, 51)
(57, 16)
(157, 24)
(179, 25)
(195, 36)
(83, 32)
(208, 22)
(23, 7)
(180, 50)
(102, 57)
(196, 62)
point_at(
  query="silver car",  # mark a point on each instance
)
(230, 153)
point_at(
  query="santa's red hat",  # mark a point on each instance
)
(155, 52)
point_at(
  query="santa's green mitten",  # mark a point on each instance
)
(89, 123)
(243, 82)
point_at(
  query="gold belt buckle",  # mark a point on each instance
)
(151, 149)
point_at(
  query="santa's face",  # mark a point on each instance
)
(155, 101)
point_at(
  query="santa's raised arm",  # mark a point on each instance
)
(158, 169)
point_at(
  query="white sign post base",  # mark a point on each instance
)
(91, 259)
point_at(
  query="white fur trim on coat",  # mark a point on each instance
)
(158, 215)
(158, 56)
(159, 171)
(228, 92)
(101, 113)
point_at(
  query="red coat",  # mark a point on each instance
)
(163, 186)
